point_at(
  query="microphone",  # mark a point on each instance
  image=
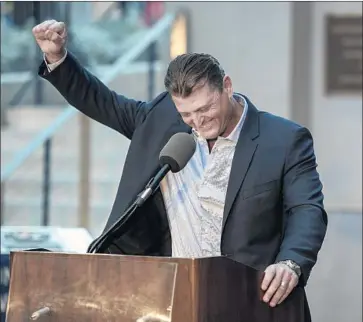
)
(173, 157)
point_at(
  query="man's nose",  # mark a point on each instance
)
(197, 120)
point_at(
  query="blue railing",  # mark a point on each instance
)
(44, 138)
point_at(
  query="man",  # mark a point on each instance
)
(250, 192)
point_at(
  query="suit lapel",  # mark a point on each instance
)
(245, 150)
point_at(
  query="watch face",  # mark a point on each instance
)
(294, 267)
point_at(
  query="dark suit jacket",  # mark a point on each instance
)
(274, 204)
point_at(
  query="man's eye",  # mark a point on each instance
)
(185, 115)
(205, 109)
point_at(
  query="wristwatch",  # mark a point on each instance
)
(295, 267)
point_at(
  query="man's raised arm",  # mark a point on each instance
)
(79, 87)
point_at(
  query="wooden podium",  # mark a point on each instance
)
(66, 287)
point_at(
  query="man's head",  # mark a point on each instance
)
(202, 93)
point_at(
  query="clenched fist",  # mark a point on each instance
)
(51, 36)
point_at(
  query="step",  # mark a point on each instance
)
(60, 215)
(58, 191)
(30, 206)
(25, 123)
(19, 118)
(66, 147)
(63, 163)
(61, 175)
(132, 83)
(23, 191)
(101, 179)
(65, 203)
(68, 137)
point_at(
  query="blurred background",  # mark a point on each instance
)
(299, 60)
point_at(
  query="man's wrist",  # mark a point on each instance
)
(53, 66)
(52, 59)
(292, 265)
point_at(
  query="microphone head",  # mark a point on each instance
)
(178, 151)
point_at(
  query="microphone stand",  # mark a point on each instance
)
(105, 239)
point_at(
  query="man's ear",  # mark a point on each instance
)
(227, 86)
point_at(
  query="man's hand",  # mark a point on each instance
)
(51, 37)
(278, 282)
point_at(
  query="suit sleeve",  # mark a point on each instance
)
(90, 96)
(305, 221)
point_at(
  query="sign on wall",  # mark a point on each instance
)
(343, 54)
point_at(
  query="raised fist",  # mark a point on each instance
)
(51, 37)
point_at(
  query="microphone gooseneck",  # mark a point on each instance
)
(173, 157)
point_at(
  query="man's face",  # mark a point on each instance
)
(206, 110)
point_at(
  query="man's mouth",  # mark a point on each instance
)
(206, 126)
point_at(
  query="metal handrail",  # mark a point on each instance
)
(150, 37)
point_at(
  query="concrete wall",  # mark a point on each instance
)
(336, 123)
(251, 41)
